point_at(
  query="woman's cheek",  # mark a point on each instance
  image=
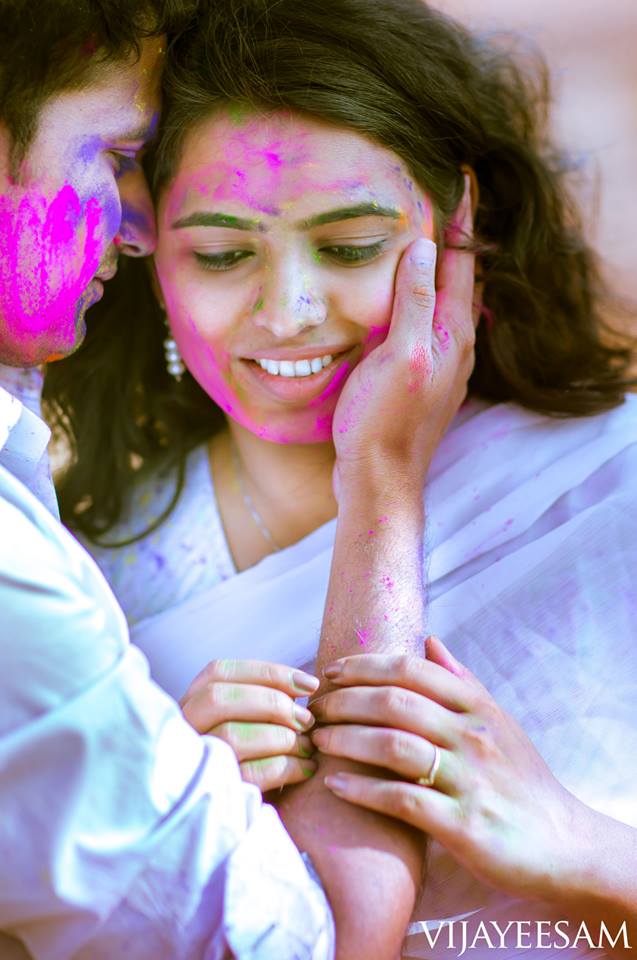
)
(368, 302)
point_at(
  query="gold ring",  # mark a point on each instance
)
(429, 780)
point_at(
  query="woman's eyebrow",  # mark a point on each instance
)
(210, 219)
(349, 213)
(205, 219)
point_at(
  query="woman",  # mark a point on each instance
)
(304, 146)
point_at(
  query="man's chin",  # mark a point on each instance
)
(92, 295)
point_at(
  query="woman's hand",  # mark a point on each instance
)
(494, 803)
(251, 705)
(398, 402)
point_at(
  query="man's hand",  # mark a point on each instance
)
(398, 402)
(251, 705)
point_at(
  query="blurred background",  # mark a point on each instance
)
(591, 49)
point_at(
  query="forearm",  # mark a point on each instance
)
(602, 886)
(371, 866)
(376, 597)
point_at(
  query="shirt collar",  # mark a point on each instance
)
(23, 434)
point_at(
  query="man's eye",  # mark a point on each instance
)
(123, 161)
(350, 255)
(218, 262)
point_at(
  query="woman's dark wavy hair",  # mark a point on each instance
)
(440, 97)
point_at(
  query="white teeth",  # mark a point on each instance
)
(295, 368)
(302, 368)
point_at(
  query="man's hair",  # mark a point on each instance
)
(49, 46)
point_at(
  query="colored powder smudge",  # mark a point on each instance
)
(362, 635)
(333, 386)
(272, 159)
(419, 367)
(443, 336)
(39, 277)
(323, 425)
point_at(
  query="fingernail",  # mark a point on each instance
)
(304, 681)
(302, 717)
(423, 252)
(336, 782)
(333, 670)
(319, 737)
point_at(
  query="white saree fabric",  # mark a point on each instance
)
(531, 562)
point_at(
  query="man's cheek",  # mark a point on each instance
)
(49, 252)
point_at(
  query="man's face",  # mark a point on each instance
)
(79, 199)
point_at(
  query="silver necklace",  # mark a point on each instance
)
(247, 499)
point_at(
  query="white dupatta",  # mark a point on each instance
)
(531, 564)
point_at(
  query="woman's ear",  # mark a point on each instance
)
(475, 189)
(154, 282)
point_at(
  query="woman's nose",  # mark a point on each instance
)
(287, 314)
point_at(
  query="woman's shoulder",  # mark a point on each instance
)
(488, 423)
(152, 564)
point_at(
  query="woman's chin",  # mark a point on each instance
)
(303, 428)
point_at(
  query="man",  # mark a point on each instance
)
(123, 832)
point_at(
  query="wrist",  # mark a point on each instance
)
(600, 853)
(380, 482)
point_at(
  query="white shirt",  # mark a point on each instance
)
(123, 833)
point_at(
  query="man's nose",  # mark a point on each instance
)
(137, 235)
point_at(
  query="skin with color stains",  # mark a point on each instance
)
(78, 198)
(288, 279)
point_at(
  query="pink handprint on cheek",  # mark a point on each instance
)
(49, 252)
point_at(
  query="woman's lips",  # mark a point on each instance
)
(300, 390)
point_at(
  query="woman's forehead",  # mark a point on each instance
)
(272, 163)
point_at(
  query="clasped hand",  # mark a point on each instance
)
(494, 804)
(251, 705)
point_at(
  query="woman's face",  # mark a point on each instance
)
(279, 239)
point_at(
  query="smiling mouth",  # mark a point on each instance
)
(295, 368)
(289, 381)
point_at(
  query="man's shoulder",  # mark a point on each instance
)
(56, 606)
(30, 534)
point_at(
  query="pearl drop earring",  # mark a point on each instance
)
(174, 363)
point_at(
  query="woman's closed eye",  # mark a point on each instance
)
(343, 254)
(350, 255)
(220, 262)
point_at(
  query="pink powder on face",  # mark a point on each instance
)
(333, 386)
(49, 253)
(377, 335)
